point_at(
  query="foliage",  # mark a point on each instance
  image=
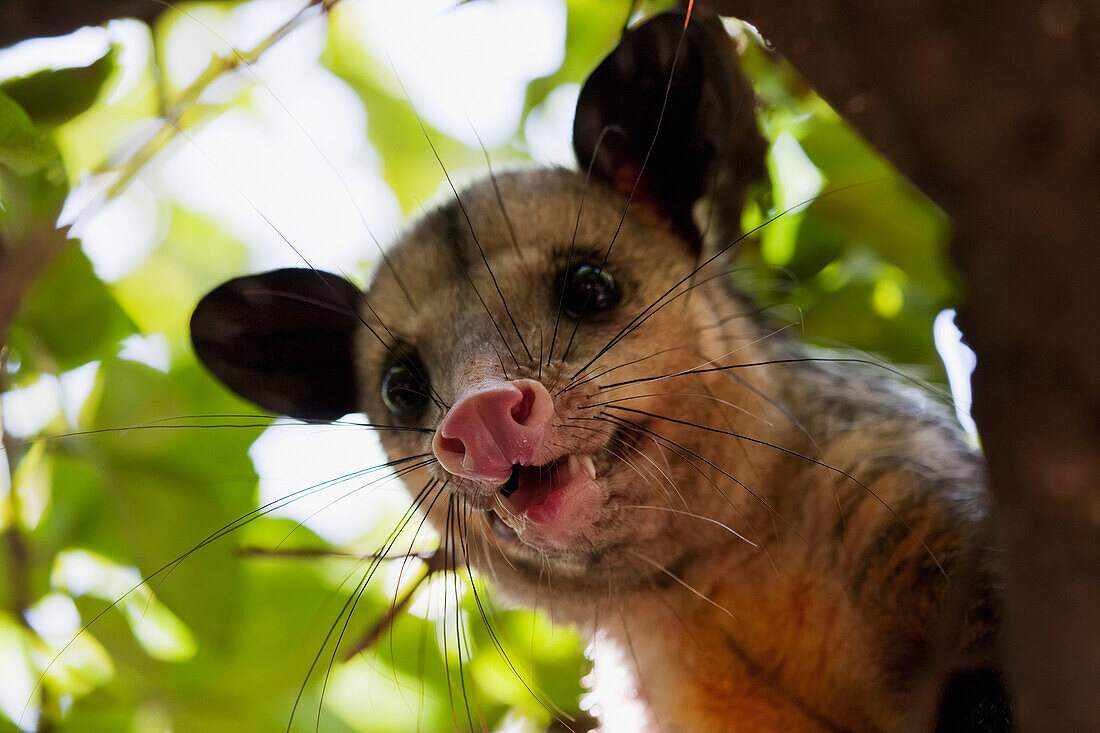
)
(149, 456)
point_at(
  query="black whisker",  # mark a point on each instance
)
(438, 559)
(447, 541)
(540, 355)
(350, 604)
(247, 64)
(500, 360)
(804, 457)
(642, 169)
(540, 697)
(362, 298)
(793, 360)
(605, 372)
(721, 251)
(279, 421)
(400, 474)
(477, 243)
(573, 241)
(313, 553)
(676, 447)
(469, 223)
(214, 536)
(461, 640)
(404, 470)
(574, 382)
(496, 189)
(648, 395)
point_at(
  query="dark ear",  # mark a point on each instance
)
(283, 339)
(709, 105)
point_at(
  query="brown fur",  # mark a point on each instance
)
(860, 595)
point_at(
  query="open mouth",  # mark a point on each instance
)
(548, 504)
(554, 505)
(537, 491)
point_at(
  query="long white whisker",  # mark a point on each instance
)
(684, 583)
(726, 527)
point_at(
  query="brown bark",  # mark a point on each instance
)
(20, 19)
(993, 109)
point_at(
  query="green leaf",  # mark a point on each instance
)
(33, 184)
(151, 492)
(195, 256)
(23, 148)
(70, 317)
(53, 96)
(410, 165)
(20, 673)
(592, 28)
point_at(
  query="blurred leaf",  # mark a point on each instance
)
(883, 212)
(19, 672)
(552, 671)
(410, 166)
(84, 666)
(106, 131)
(33, 184)
(195, 256)
(70, 317)
(23, 148)
(592, 28)
(372, 697)
(53, 96)
(145, 496)
(787, 99)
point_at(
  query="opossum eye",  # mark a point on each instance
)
(587, 290)
(405, 389)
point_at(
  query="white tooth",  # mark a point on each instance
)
(574, 463)
(587, 464)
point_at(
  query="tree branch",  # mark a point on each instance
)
(993, 110)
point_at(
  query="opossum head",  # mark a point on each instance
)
(516, 345)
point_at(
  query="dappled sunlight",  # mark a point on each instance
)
(290, 457)
(158, 630)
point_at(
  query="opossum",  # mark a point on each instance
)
(764, 540)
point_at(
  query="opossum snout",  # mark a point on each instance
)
(493, 426)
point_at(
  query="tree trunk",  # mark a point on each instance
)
(993, 110)
(21, 19)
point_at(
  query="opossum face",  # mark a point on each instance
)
(503, 351)
(510, 342)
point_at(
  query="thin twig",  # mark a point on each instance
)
(433, 564)
(219, 66)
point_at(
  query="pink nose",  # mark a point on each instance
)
(493, 426)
